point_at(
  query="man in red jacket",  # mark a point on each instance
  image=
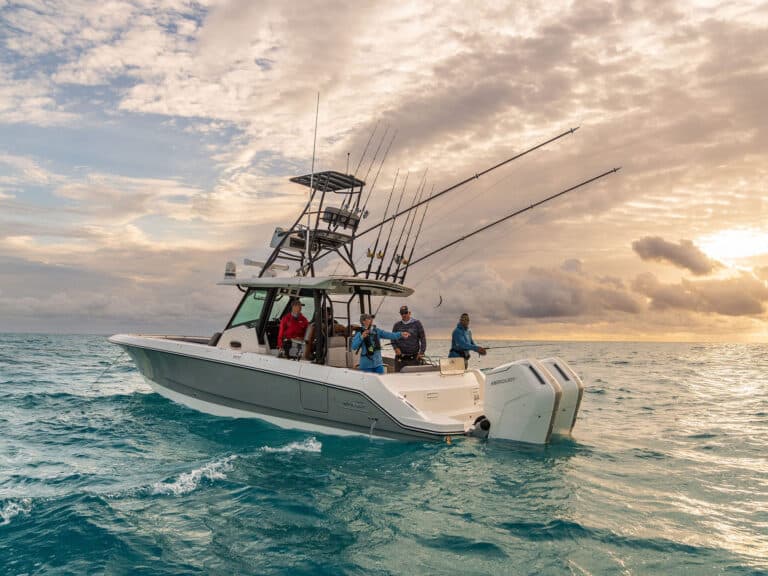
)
(292, 325)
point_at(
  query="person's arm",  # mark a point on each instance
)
(479, 349)
(280, 332)
(357, 341)
(395, 346)
(391, 335)
(472, 344)
(455, 340)
(422, 338)
(466, 342)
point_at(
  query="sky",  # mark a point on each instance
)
(144, 144)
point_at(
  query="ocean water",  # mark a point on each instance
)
(667, 473)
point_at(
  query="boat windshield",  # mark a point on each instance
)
(251, 307)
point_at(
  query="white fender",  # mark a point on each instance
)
(521, 399)
(573, 391)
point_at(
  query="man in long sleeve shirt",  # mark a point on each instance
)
(462, 342)
(409, 352)
(293, 325)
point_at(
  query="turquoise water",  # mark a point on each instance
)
(667, 474)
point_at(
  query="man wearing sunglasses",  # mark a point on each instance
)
(409, 352)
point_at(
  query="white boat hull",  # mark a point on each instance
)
(319, 398)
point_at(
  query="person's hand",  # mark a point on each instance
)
(482, 351)
(405, 335)
(365, 333)
(419, 356)
(397, 352)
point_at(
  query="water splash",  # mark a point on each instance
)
(12, 508)
(309, 445)
(189, 481)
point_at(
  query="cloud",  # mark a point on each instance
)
(684, 255)
(743, 295)
(543, 293)
(184, 120)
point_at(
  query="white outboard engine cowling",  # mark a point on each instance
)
(521, 400)
(573, 391)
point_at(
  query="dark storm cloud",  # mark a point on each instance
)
(684, 255)
(744, 295)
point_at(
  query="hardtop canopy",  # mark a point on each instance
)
(329, 181)
(329, 284)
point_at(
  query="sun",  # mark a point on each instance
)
(734, 244)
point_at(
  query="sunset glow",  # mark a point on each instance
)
(735, 244)
(145, 144)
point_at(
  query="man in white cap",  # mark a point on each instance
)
(368, 341)
(409, 352)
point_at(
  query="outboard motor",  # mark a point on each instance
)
(573, 391)
(521, 400)
(480, 428)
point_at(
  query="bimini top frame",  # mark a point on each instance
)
(326, 224)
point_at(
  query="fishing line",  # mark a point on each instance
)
(112, 363)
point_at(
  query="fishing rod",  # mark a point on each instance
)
(518, 346)
(348, 202)
(449, 189)
(475, 177)
(516, 213)
(372, 255)
(365, 150)
(415, 240)
(399, 257)
(375, 178)
(386, 246)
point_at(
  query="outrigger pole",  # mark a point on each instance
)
(475, 177)
(507, 217)
(415, 206)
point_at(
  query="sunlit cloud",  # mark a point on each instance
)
(163, 134)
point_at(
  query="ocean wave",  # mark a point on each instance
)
(10, 509)
(189, 481)
(308, 445)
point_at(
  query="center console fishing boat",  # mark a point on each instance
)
(317, 386)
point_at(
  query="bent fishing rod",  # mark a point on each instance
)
(508, 216)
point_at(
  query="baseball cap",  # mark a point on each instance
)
(404, 309)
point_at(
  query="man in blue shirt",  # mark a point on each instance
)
(368, 341)
(462, 342)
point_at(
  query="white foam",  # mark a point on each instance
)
(12, 509)
(309, 445)
(189, 481)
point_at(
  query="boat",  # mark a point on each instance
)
(317, 386)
